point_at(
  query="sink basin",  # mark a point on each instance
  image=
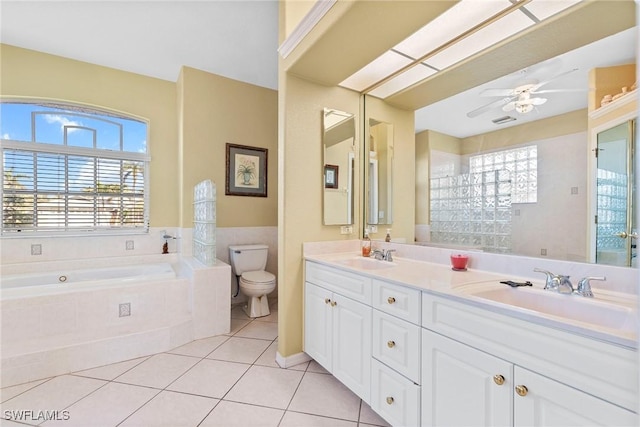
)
(572, 307)
(366, 263)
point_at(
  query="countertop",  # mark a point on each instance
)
(590, 317)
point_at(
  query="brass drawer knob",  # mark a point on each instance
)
(333, 303)
(498, 379)
(327, 301)
(390, 400)
(391, 344)
(391, 300)
(522, 390)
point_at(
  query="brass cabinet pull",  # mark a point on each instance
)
(390, 400)
(333, 303)
(391, 300)
(327, 301)
(522, 390)
(391, 344)
(498, 379)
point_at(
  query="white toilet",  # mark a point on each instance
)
(248, 262)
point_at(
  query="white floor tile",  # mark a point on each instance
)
(237, 312)
(55, 394)
(260, 330)
(268, 358)
(200, 348)
(324, 395)
(9, 423)
(272, 317)
(297, 419)
(109, 372)
(238, 324)
(107, 406)
(261, 385)
(234, 414)
(11, 392)
(241, 350)
(170, 409)
(158, 371)
(212, 378)
(369, 417)
(317, 368)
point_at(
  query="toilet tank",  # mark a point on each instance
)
(247, 258)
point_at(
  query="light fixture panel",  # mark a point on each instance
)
(386, 64)
(402, 81)
(543, 9)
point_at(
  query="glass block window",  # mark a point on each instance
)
(70, 169)
(522, 165)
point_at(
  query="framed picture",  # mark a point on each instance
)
(330, 176)
(246, 171)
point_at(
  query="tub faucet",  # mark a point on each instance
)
(584, 286)
(381, 254)
(556, 282)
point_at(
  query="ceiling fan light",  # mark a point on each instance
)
(524, 108)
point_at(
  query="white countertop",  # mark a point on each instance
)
(441, 280)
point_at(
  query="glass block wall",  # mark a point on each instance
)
(204, 222)
(612, 210)
(472, 210)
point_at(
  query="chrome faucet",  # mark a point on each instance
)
(381, 254)
(584, 286)
(556, 282)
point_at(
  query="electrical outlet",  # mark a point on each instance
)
(516, 212)
(124, 309)
(574, 190)
(36, 249)
(373, 229)
(129, 245)
(346, 229)
(543, 252)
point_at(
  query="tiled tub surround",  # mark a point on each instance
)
(567, 351)
(98, 322)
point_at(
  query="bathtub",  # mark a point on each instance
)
(57, 319)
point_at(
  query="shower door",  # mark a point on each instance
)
(616, 234)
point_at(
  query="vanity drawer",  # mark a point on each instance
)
(397, 300)
(396, 343)
(343, 282)
(393, 397)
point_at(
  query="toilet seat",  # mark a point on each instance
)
(257, 277)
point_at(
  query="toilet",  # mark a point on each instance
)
(248, 262)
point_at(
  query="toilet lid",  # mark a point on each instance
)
(258, 276)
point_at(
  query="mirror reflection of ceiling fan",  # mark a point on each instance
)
(521, 99)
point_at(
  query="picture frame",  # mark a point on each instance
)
(246, 171)
(331, 176)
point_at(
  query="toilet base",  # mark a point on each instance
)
(257, 307)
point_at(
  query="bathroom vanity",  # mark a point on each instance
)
(425, 345)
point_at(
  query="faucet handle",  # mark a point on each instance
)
(584, 285)
(552, 281)
(388, 255)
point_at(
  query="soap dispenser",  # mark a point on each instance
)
(366, 245)
(388, 236)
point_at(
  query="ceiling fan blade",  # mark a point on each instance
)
(489, 106)
(557, 91)
(557, 76)
(537, 101)
(497, 92)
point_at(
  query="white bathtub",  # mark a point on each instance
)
(31, 284)
(57, 319)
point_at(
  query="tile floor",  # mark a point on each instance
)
(228, 380)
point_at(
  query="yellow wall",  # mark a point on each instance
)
(216, 111)
(189, 123)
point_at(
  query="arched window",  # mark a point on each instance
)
(72, 169)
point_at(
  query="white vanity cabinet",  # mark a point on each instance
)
(493, 370)
(337, 332)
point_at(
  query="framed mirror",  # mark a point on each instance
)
(379, 169)
(338, 139)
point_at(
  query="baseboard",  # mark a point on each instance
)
(293, 360)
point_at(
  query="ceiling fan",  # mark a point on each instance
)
(522, 98)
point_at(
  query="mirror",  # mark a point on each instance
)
(551, 222)
(379, 179)
(338, 139)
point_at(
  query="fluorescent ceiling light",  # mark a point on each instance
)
(467, 28)
(383, 66)
(404, 80)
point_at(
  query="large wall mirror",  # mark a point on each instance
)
(379, 178)
(516, 177)
(338, 140)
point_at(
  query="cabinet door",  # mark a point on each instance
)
(317, 324)
(549, 403)
(352, 345)
(462, 386)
